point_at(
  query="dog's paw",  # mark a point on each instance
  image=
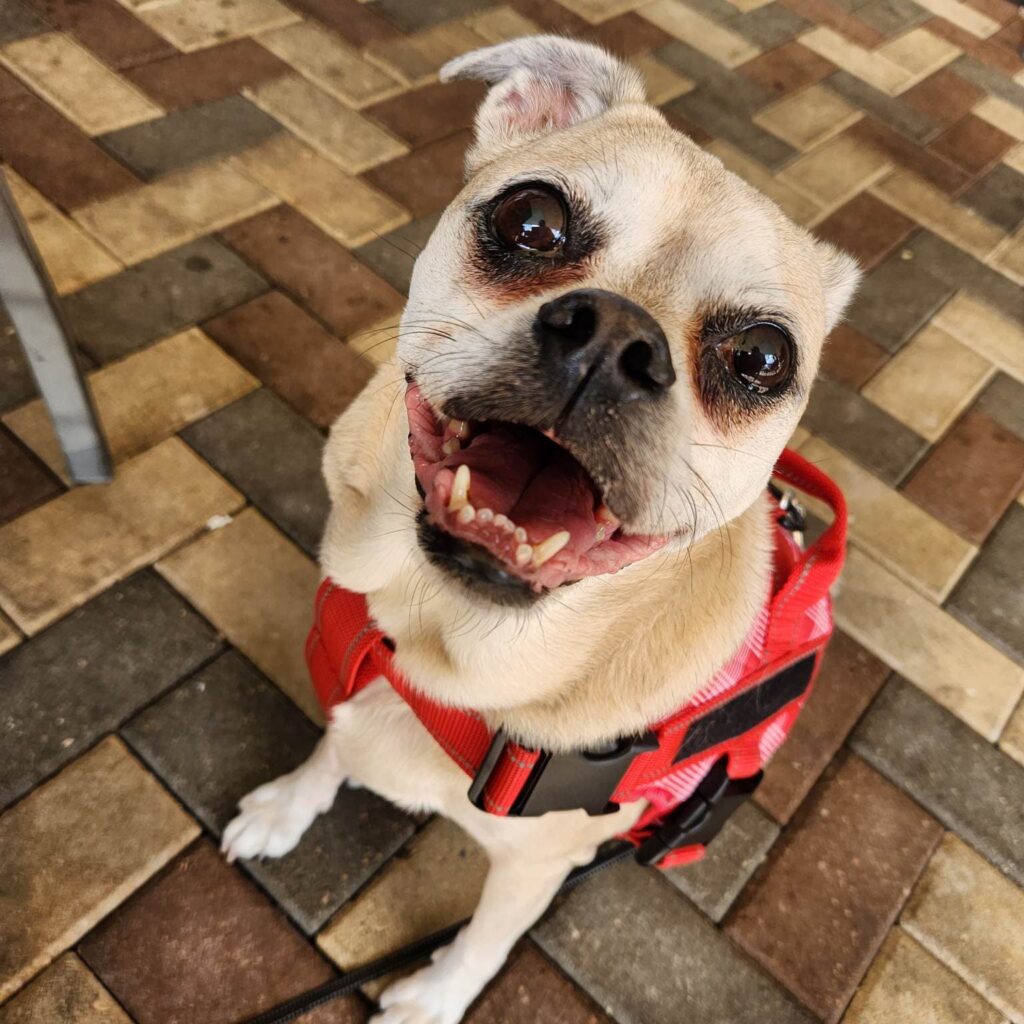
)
(273, 819)
(430, 996)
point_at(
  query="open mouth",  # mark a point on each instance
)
(520, 496)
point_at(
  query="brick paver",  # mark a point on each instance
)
(230, 198)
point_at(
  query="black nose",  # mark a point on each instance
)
(602, 343)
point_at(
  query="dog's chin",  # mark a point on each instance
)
(473, 567)
(509, 512)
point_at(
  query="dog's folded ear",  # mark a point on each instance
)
(540, 84)
(840, 276)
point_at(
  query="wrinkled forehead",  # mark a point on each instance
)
(672, 219)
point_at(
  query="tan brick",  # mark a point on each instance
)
(59, 555)
(74, 849)
(67, 992)
(836, 171)
(700, 32)
(196, 24)
(346, 208)
(971, 916)
(416, 59)
(69, 77)
(257, 588)
(173, 210)
(981, 328)
(808, 118)
(146, 397)
(927, 645)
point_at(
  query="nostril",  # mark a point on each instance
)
(636, 360)
(575, 324)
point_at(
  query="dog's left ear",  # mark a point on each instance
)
(840, 276)
(540, 84)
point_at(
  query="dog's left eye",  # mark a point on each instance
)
(760, 357)
(531, 219)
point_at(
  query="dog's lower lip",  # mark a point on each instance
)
(519, 495)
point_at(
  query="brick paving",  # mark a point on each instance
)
(878, 875)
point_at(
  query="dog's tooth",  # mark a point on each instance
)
(502, 522)
(460, 489)
(485, 515)
(605, 515)
(520, 535)
(451, 446)
(547, 549)
(524, 555)
(466, 514)
(602, 530)
(460, 428)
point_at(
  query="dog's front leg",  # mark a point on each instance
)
(516, 893)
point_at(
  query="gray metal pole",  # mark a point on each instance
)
(28, 295)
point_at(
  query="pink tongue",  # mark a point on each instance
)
(531, 480)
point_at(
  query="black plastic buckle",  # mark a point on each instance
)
(791, 515)
(699, 819)
(584, 779)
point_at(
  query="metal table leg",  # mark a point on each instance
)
(27, 293)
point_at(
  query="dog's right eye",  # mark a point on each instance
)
(530, 219)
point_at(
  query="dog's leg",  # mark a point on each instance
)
(274, 816)
(516, 893)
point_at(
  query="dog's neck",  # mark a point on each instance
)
(601, 658)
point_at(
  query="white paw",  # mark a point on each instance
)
(432, 995)
(274, 817)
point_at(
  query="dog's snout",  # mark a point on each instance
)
(591, 334)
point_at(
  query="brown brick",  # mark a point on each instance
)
(999, 10)
(687, 127)
(866, 228)
(288, 350)
(321, 274)
(942, 174)
(851, 357)
(816, 916)
(971, 476)
(822, 12)
(113, 33)
(52, 154)
(787, 68)
(187, 79)
(849, 679)
(426, 179)
(24, 481)
(627, 35)
(352, 20)
(551, 17)
(972, 144)
(944, 97)
(531, 991)
(995, 55)
(430, 113)
(203, 943)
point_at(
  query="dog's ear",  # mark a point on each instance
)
(540, 84)
(840, 276)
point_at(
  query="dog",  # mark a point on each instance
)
(553, 497)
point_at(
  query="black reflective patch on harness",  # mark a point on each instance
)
(748, 710)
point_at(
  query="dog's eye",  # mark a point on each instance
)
(532, 219)
(760, 358)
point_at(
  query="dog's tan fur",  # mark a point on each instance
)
(611, 654)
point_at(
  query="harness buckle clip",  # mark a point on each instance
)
(697, 820)
(577, 780)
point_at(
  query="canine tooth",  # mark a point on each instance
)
(520, 535)
(485, 515)
(502, 522)
(524, 554)
(549, 548)
(602, 531)
(451, 446)
(605, 515)
(466, 514)
(460, 489)
(460, 428)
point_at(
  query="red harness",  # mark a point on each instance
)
(692, 767)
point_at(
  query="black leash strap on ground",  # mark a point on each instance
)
(414, 952)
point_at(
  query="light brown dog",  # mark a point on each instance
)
(608, 341)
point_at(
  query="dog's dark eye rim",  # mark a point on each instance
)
(492, 208)
(720, 335)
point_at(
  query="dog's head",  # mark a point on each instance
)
(609, 337)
